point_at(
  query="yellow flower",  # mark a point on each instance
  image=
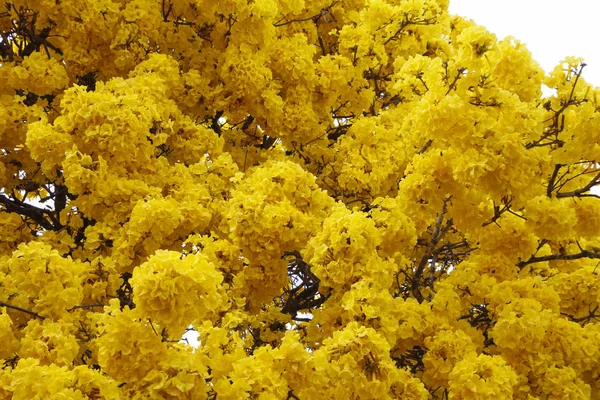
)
(481, 377)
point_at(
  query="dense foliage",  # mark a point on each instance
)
(345, 199)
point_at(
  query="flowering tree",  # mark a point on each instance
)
(345, 199)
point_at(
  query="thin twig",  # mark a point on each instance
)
(552, 180)
(438, 233)
(26, 311)
(578, 192)
(424, 148)
(86, 306)
(562, 257)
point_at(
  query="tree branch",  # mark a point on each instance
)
(563, 257)
(316, 17)
(552, 180)
(425, 147)
(38, 215)
(26, 311)
(86, 306)
(438, 233)
(578, 192)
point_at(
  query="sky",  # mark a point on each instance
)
(551, 29)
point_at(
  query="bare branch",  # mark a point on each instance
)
(563, 257)
(438, 232)
(550, 135)
(406, 23)
(578, 192)
(591, 316)
(26, 311)
(552, 180)
(86, 306)
(459, 73)
(322, 14)
(425, 147)
(38, 215)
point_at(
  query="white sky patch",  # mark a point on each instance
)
(191, 337)
(551, 29)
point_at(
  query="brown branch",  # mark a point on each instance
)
(432, 265)
(562, 182)
(304, 295)
(26, 311)
(506, 202)
(86, 306)
(292, 396)
(278, 24)
(592, 315)
(552, 180)
(405, 24)
(459, 74)
(316, 17)
(438, 233)
(562, 257)
(425, 147)
(420, 78)
(558, 119)
(38, 215)
(578, 192)
(577, 76)
(166, 11)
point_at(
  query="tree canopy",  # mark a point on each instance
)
(344, 199)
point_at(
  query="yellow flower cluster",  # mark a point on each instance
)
(482, 377)
(161, 282)
(281, 199)
(37, 278)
